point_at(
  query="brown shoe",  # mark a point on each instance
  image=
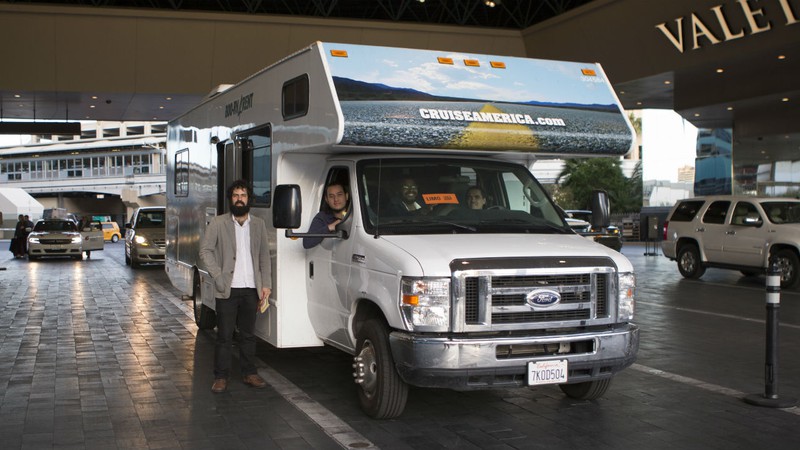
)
(220, 385)
(255, 381)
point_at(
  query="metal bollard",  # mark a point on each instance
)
(770, 397)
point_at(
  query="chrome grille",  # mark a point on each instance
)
(495, 298)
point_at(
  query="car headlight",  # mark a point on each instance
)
(627, 290)
(425, 303)
(141, 240)
(76, 239)
(33, 240)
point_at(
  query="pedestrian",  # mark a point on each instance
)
(235, 252)
(19, 237)
(26, 231)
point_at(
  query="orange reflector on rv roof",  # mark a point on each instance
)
(589, 72)
(472, 63)
(497, 64)
(339, 53)
(443, 60)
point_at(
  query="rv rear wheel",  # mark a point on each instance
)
(588, 390)
(382, 392)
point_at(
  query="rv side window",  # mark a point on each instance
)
(257, 164)
(295, 98)
(182, 173)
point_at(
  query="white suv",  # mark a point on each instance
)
(735, 232)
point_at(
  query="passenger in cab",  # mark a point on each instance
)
(332, 213)
(406, 202)
(476, 197)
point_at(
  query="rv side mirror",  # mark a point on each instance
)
(286, 206)
(600, 210)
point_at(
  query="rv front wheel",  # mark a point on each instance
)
(588, 390)
(382, 392)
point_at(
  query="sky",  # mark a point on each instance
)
(522, 80)
(668, 143)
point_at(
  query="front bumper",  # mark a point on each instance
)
(41, 250)
(482, 363)
(150, 254)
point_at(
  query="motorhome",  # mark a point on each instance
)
(442, 296)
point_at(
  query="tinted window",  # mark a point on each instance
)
(716, 212)
(295, 98)
(686, 211)
(745, 214)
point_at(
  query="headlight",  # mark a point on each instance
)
(627, 290)
(141, 240)
(33, 240)
(76, 239)
(425, 303)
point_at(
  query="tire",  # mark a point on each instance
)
(382, 393)
(204, 317)
(114, 238)
(588, 390)
(789, 264)
(689, 263)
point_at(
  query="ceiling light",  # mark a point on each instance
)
(781, 56)
(94, 97)
(160, 107)
(491, 3)
(785, 99)
(621, 92)
(667, 82)
(697, 114)
(170, 98)
(730, 108)
(720, 70)
(638, 103)
(17, 96)
(91, 106)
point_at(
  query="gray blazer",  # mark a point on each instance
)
(218, 253)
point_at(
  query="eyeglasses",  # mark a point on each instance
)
(409, 187)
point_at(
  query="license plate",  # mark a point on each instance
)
(547, 372)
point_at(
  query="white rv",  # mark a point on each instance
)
(446, 296)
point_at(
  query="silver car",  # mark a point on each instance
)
(145, 236)
(61, 237)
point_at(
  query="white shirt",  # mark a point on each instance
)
(243, 276)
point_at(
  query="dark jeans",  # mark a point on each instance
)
(237, 311)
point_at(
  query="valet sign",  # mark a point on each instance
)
(729, 21)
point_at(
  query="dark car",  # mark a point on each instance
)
(609, 236)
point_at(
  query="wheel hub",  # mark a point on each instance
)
(366, 369)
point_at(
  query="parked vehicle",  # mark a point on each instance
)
(502, 296)
(144, 236)
(735, 232)
(61, 237)
(609, 236)
(111, 231)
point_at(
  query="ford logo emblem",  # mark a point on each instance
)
(543, 298)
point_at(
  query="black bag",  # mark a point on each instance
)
(13, 244)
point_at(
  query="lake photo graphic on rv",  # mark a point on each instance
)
(443, 99)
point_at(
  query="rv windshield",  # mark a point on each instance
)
(425, 196)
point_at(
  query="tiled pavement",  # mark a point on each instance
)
(96, 355)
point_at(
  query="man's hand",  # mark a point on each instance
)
(263, 304)
(332, 225)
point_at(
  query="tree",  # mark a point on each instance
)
(582, 176)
